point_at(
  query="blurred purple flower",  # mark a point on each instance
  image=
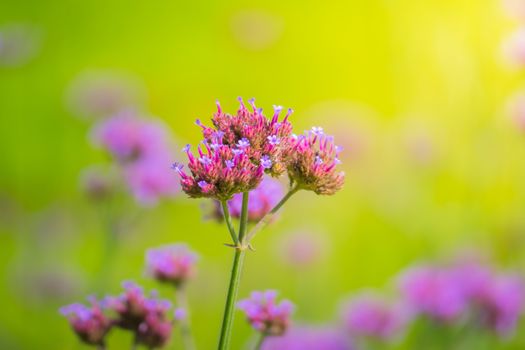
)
(145, 316)
(501, 303)
(368, 315)
(142, 148)
(129, 138)
(89, 323)
(261, 200)
(150, 179)
(434, 292)
(309, 338)
(172, 263)
(264, 313)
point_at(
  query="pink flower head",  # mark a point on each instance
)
(312, 159)
(149, 179)
(89, 323)
(370, 316)
(434, 292)
(265, 314)
(502, 303)
(172, 264)
(261, 200)
(262, 139)
(309, 338)
(129, 138)
(218, 171)
(155, 329)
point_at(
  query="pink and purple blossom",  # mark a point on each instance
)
(312, 160)
(145, 316)
(142, 149)
(265, 314)
(262, 139)
(261, 200)
(173, 264)
(89, 323)
(434, 292)
(368, 315)
(309, 338)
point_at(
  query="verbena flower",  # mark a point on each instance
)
(173, 264)
(263, 139)
(155, 330)
(309, 338)
(434, 292)
(500, 303)
(142, 149)
(89, 323)
(149, 180)
(261, 200)
(128, 138)
(265, 314)
(218, 172)
(368, 315)
(312, 160)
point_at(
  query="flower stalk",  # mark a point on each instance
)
(235, 278)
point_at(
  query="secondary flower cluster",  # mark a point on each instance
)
(89, 323)
(369, 315)
(311, 162)
(466, 291)
(173, 264)
(265, 314)
(146, 317)
(141, 148)
(240, 148)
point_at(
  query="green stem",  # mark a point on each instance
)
(185, 325)
(228, 219)
(235, 279)
(270, 215)
(260, 342)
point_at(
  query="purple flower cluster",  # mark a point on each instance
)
(312, 159)
(141, 147)
(261, 200)
(368, 315)
(89, 323)
(240, 148)
(265, 314)
(173, 264)
(309, 338)
(466, 291)
(146, 317)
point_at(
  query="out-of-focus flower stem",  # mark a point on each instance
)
(269, 217)
(260, 341)
(238, 260)
(110, 245)
(185, 324)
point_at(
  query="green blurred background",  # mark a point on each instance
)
(415, 91)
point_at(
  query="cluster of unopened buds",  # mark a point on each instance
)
(146, 317)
